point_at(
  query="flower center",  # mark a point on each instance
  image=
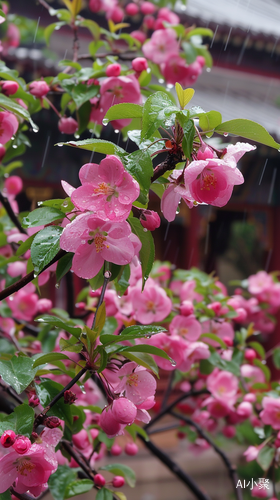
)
(150, 306)
(104, 189)
(25, 466)
(132, 380)
(208, 181)
(99, 240)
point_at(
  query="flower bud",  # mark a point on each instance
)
(147, 8)
(95, 5)
(13, 185)
(52, 422)
(139, 64)
(124, 411)
(44, 305)
(8, 438)
(118, 481)
(186, 308)
(33, 401)
(21, 444)
(150, 220)
(250, 354)
(68, 125)
(39, 89)
(131, 9)
(69, 397)
(99, 480)
(2, 152)
(113, 69)
(116, 450)
(9, 87)
(131, 449)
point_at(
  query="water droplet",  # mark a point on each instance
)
(170, 86)
(11, 298)
(60, 144)
(83, 242)
(57, 285)
(148, 336)
(14, 146)
(105, 122)
(107, 274)
(183, 7)
(208, 70)
(36, 269)
(161, 80)
(6, 175)
(279, 150)
(119, 296)
(35, 130)
(35, 275)
(148, 70)
(225, 134)
(116, 131)
(76, 136)
(177, 211)
(39, 203)
(57, 28)
(173, 363)
(12, 138)
(65, 204)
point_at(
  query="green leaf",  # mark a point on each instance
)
(42, 216)
(156, 111)
(134, 429)
(122, 470)
(68, 62)
(20, 421)
(50, 29)
(110, 326)
(264, 369)
(48, 358)
(265, 457)
(142, 359)
(92, 26)
(61, 324)
(249, 130)
(150, 349)
(184, 96)
(199, 31)
(63, 204)
(98, 145)
(140, 166)
(205, 367)
(80, 92)
(223, 364)
(83, 116)
(103, 358)
(46, 391)
(6, 495)
(210, 120)
(124, 110)
(147, 252)
(45, 246)
(100, 318)
(258, 348)
(78, 487)
(14, 107)
(122, 280)
(64, 265)
(215, 338)
(130, 333)
(98, 280)
(25, 245)
(66, 345)
(104, 494)
(59, 481)
(17, 372)
(276, 357)
(120, 495)
(187, 143)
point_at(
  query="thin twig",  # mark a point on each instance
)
(28, 278)
(191, 393)
(11, 392)
(6, 204)
(231, 468)
(168, 390)
(175, 469)
(165, 428)
(80, 460)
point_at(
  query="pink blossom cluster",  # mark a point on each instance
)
(27, 466)
(208, 179)
(101, 232)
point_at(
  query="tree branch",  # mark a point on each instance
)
(231, 468)
(28, 278)
(6, 204)
(175, 469)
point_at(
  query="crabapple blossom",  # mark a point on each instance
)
(124, 411)
(131, 9)
(107, 189)
(173, 345)
(13, 185)
(136, 382)
(150, 305)
(9, 87)
(270, 415)
(21, 444)
(109, 424)
(99, 480)
(8, 438)
(186, 326)
(131, 449)
(39, 88)
(161, 46)
(147, 8)
(118, 482)
(8, 126)
(223, 384)
(150, 220)
(116, 450)
(94, 240)
(113, 70)
(139, 64)
(173, 194)
(68, 125)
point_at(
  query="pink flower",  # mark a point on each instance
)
(211, 181)
(30, 471)
(9, 87)
(223, 385)
(187, 292)
(270, 414)
(8, 126)
(222, 329)
(165, 14)
(68, 125)
(124, 411)
(186, 326)
(151, 305)
(136, 383)
(139, 64)
(162, 44)
(115, 90)
(13, 185)
(107, 189)
(109, 424)
(252, 374)
(251, 453)
(173, 194)
(175, 70)
(174, 346)
(94, 240)
(113, 69)
(23, 304)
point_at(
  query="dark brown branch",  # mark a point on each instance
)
(177, 471)
(28, 278)
(6, 204)
(231, 468)
(11, 392)
(170, 407)
(79, 459)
